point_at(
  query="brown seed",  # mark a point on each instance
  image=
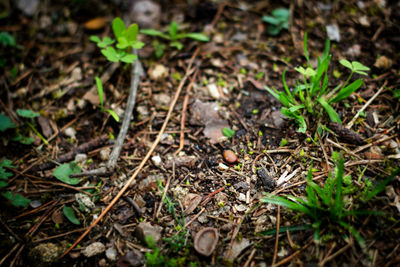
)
(230, 156)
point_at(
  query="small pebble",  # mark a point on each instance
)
(230, 156)
(70, 132)
(156, 160)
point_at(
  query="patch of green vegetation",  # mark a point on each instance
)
(119, 49)
(228, 132)
(17, 200)
(311, 96)
(125, 39)
(326, 206)
(20, 132)
(278, 20)
(177, 252)
(173, 36)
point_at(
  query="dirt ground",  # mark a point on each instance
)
(206, 139)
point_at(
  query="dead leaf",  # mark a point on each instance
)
(96, 23)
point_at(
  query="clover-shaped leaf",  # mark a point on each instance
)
(355, 66)
(306, 72)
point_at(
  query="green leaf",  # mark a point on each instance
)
(122, 43)
(130, 58)
(153, 32)
(339, 170)
(282, 13)
(3, 184)
(113, 114)
(358, 67)
(273, 92)
(136, 44)
(274, 30)
(347, 91)
(118, 26)
(281, 201)
(110, 53)
(196, 36)
(132, 32)
(346, 63)
(23, 139)
(396, 94)
(271, 20)
(27, 113)
(329, 109)
(70, 214)
(228, 132)
(354, 232)
(6, 163)
(283, 229)
(7, 39)
(306, 72)
(173, 30)
(6, 123)
(177, 44)
(17, 200)
(95, 39)
(63, 172)
(100, 91)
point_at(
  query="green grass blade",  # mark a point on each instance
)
(354, 232)
(283, 229)
(273, 92)
(380, 187)
(113, 114)
(285, 85)
(329, 109)
(195, 36)
(99, 85)
(281, 201)
(339, 170)
(347, 91)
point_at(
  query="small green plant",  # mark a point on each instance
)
(228, 132)
(21, 131)
(278, 20)
(326, 205)
(63, 172)
(125, 39)
(7, 40)
(70, 214)
(119, 49)
(173, 36)
(311, 95)
(396, 94)
(100, 91)
(17, 199)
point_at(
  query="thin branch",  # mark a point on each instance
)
(350, 124)
(137, 72)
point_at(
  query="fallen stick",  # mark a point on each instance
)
(350, 124)
(189, 71)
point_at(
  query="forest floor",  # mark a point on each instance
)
(199, 173)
